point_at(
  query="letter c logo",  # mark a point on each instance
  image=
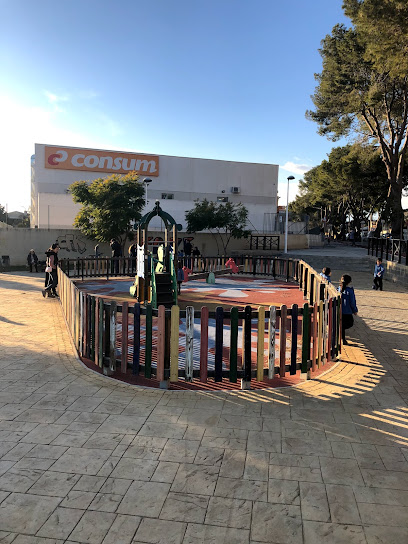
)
(59, 156)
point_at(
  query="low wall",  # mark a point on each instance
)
(16, 243)
(314, 240)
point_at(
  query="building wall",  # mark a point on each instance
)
(186, 178)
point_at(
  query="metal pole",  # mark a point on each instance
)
(287, 215)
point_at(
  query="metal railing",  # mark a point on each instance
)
(389, 249)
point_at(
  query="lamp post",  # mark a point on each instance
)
(146, 181)
(287, 215)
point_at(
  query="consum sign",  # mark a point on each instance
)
(92, 160)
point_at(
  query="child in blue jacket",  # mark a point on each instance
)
(348, 305)
(378, 275)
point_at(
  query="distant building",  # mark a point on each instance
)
(177, 180)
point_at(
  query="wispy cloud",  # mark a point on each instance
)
(109, 125)
(56, 99)
(88, 94)
(295, 168)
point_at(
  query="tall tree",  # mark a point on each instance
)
(110, 206)
(350, 183)
(224, 221)
(361, 91)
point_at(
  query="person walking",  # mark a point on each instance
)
(180, 276)
(132, 251)
(32, 260)
(352, 237)
(187, 252)
(379, 272)
(51, 270)
(348, 305)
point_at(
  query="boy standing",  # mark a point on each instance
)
(378, 275)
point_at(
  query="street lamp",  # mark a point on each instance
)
(287, 215)
(146, 181)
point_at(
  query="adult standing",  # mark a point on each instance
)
(32, 260)
(352, 237)
(133, 256)
(116, 253)
(187, 252)
(51, 270)
(348, 305)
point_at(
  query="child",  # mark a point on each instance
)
(378, 275)
(326, 273)
(348, 305)
(180, 276)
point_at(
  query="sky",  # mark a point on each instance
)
(217, 79)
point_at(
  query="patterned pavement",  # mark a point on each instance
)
(85, 459)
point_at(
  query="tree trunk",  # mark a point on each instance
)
(396, 212)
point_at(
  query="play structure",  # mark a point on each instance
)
(156, 276)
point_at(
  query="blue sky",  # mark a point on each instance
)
(218, 79)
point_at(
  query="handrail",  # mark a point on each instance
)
(390, 249)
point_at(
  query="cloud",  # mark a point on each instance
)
(55, 98)
(294, 168)
(88, 94)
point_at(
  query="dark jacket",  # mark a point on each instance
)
(348, 301)
(116, 249)
(52, 259)
(34, 257)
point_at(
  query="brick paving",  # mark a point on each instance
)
(85, 459)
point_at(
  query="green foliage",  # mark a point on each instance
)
(363, 87)
(223, 220)
(110, 206)
(349, 183)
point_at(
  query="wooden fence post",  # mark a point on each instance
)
(247, 353)
(219, 338)
(271, 342)
(260, 351)
(136, 339)
(293, 353)
(174, 343)
(233, 345)
(189, 342)
(305, 338)
(204, 345)
(282, 341)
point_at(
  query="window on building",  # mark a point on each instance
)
(222, 199)
(167, 196)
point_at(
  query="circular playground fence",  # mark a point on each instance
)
(172, 344)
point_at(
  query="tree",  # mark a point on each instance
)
(350, 183)
(110, 206)
(361, 91)
(224, 221)
(3, 214)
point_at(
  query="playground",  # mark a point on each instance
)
(228, 291)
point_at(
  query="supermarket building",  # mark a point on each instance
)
(178, 181)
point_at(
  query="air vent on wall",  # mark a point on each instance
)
(235, 190)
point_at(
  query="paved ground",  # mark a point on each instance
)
(84, 459)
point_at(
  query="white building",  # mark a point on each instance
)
(178, 181)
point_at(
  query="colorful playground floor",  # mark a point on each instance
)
(239, 291)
